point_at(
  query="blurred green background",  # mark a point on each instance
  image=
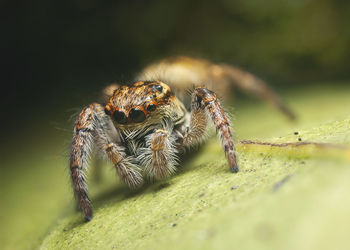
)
(56, 56)
(59, 53)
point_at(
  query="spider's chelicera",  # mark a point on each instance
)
(141, 128)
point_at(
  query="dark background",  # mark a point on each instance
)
(57, 55)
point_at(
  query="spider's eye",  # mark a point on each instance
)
(151, 107)
(157, 88)
(137, 115)
(107, 111)
(120, 117)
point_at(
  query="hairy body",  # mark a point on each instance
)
(142, 127)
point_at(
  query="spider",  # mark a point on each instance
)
(142, 127)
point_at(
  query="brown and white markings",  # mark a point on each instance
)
(141, 128)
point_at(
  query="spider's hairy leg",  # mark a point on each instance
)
(127, 171)
(108, 144)
(198, 125)
(79, 155)
(91, 126)
(159, 158)
(205, 102)
(253, 85)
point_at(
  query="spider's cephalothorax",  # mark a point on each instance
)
(144, 104)
(142, 127)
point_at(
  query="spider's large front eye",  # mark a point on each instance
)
(120, 117)
(137, 115)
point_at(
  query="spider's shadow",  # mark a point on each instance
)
(122, 192)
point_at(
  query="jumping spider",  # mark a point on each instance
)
(141, 128)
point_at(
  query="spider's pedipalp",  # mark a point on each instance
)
(159, 157)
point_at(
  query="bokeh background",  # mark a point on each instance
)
(59, 53)
(56, 56)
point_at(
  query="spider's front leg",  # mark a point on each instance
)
(80, 150)
(90, 126)
(205, 103)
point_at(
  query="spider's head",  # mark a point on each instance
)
(143, 103)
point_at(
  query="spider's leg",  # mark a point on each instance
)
(92, 125)
(159, 158)
(80, 151)
(108, 141)
(255, 86)
(205, 103)
(127, 171)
